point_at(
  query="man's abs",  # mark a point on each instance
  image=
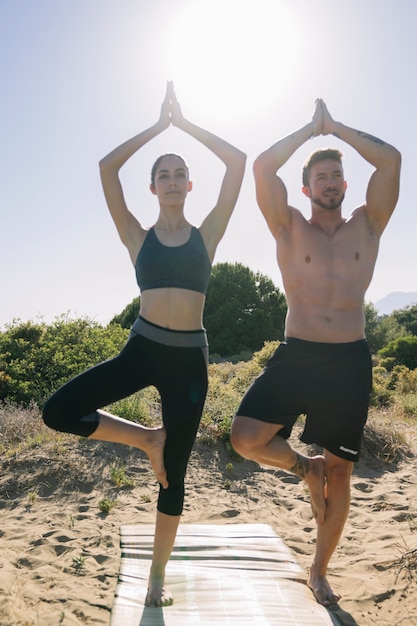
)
(324, 324)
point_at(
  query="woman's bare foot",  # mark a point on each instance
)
(155, 450)
(322, 590)
(157, 594)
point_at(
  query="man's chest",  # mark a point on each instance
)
(349, 251)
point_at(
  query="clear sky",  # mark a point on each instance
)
(79, 77)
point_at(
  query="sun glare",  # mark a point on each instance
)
(232, 54)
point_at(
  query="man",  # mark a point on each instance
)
(323, 369)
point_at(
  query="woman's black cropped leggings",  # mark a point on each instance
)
(178, 371)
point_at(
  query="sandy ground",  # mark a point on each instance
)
(59, 554)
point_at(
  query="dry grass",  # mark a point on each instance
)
(405, 563)
(21, 429)
(387, 437)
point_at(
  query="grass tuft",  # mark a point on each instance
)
(405, 563)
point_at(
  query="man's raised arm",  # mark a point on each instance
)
(271, 192)
(384, 184)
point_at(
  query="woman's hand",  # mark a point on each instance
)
(165, 116)
(175, 110)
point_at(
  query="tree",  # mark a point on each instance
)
(402, 351)
(407, 317)
(381, 329)
(129, 314)
(243, 310)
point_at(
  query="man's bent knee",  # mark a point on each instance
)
(239, 437)
(249, 435)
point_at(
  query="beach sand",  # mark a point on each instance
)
(59, 554)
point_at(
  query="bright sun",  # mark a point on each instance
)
(233, 54)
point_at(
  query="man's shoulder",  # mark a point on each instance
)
(360, 211)
(358, 218)
(297, 230)
(297, 217)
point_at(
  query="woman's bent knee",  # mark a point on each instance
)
(56, 417)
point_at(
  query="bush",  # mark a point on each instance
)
(381, 394)
(221, 403)
(403, 350)
(135, 408)
(35, 359)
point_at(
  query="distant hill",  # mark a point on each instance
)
(395, 300)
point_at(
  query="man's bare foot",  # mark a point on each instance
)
(322, 590)
(157, 595)
(155, 451)
(315, 480)
(312, 471)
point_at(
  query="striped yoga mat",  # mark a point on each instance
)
(219, 575)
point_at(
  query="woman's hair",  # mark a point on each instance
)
(320, 155)
(158, 161)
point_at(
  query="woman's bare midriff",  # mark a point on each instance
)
(177, 309)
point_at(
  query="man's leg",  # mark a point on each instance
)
(261, 442)
(338, 475)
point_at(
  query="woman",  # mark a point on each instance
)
(167, 346)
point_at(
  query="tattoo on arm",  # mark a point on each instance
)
(371, 138)
(301, 467)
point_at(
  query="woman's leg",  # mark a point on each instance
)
(150, 440)
(165, 532)
(74, 407)
(183, 389)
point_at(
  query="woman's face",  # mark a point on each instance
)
(171, 180)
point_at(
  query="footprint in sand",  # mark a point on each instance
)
(230, 513)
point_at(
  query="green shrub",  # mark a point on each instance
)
(106, 505)
(405, 380)
(36, 358)
(135, 408)
(264, 354)
(403, 350)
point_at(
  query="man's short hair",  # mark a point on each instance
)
(320, 155)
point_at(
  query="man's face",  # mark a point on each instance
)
(327, 186)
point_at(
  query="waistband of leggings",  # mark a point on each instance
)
(348, 347)
(169, 337)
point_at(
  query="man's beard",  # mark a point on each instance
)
(334, 202)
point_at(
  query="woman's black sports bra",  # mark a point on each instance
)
(186, 266)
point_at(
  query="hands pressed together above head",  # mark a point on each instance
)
(170, 110)
(323, 123)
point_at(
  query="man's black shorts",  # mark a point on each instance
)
(329, 383)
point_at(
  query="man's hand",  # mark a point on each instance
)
(328, 127)
(317, 119)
